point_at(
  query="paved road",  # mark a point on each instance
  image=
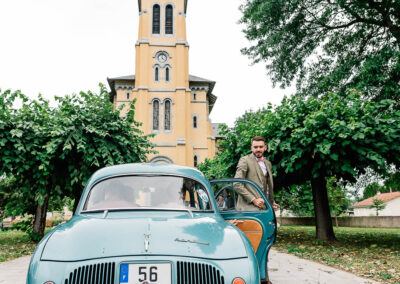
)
(284, 269)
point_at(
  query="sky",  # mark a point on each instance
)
(58, 47)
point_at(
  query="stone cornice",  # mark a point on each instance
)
(146, 41)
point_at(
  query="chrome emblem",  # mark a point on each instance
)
(146, 242)
(192, 242)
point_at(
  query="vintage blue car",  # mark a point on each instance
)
(156, 224)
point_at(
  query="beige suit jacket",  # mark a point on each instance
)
(249, 168)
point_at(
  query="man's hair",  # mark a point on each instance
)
(257, 138)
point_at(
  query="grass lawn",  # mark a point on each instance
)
(14, 244)
(367, 252)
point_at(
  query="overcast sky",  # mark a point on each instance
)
(58, 47)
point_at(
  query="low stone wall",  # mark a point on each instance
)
(348, 221)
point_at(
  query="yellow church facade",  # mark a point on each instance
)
(170, 103)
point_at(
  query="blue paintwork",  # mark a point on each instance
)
(119, 236)
(266, 218)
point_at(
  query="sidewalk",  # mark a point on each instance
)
(287, 269)
(283, 269)
(14, 271)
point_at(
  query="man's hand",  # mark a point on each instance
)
(275, 206)
(259, 202)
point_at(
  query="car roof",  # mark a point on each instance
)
(148, 168)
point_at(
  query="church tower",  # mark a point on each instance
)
(171, 104)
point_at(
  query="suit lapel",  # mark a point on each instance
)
(258, 170)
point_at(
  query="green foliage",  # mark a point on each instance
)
(297, 199)
(24, 225)
(371, 190)
(390, 183)
(311, 139)
(52, 151)
(90, 133)
(378, 205)
(327, 46)
(334, 136)
(393, 182)
(6, 188)
(337, 194)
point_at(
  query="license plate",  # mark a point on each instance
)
(145, 273)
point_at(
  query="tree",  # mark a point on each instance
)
(327, 45)
(392, 182)
(23, 134)
(371, 190)
(337, 195)
(312, 139)
(90, 133)
(378, 205)
(298, 199)
(51, 152)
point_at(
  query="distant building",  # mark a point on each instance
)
(170, 103)
(391, 200)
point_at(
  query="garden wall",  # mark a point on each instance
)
(348, 221)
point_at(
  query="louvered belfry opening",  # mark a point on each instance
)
(198, 273)
(100, 273)
(156, 19)
(169, 20)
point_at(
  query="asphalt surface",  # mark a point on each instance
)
(283, 269)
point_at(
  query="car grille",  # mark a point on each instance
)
(198, 273)
(100, 273)
(187, 273)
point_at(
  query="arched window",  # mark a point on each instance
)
(169, 20)
(195, 121)
(127, 96)
(156, 115)
(195, 160)
(167, 115)
(167, 74)
(194, 97)
(156, 74)
(156, 19)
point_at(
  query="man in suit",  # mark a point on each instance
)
(259, 170)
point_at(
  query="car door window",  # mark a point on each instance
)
(226, 197)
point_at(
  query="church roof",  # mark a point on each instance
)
(192, 79)
(140, 5)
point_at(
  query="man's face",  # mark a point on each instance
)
(258, 148)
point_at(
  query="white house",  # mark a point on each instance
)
(390, 199)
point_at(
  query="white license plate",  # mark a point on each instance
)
(145, 273)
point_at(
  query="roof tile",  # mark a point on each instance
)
(385, 197)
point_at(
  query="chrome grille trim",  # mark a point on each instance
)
(198, 273)
(100, 273)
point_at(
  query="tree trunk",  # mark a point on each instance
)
(39, 223)
(323, 220)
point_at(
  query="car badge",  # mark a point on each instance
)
(192, 242)
(146, 242)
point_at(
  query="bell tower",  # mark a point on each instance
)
(161, 48)
(170, 103)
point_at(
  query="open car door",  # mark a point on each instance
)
(259, 226)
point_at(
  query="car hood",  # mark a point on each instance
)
(166, 233)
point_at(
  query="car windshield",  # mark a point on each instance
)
(135, 192)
